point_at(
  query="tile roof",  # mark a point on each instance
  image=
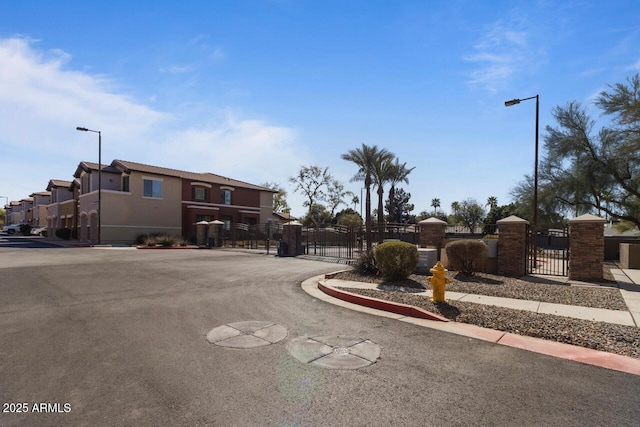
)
(194, 176)
(90, 166)
(58, 183)
(285, 216)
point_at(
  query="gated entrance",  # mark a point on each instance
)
(349, 242)
(548, 250)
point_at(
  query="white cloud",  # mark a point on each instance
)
(40, 99)
(177, 69)
(43, 99)
(245, 149)
(218, 54)
(500, 54)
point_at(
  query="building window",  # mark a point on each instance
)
(125, 183)
(225, 197)
(203, 218)
(152, 188)
(199, 193)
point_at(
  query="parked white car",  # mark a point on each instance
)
(38, 230)
(12, 229)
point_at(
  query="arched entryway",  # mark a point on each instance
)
(84, 223)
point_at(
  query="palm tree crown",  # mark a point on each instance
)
(436, 204)
(398, 173)
(366, 158)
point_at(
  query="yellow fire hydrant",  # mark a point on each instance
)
(438, 281)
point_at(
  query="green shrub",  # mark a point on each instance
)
(63, 233)
(145, 238)
(365, 264)
(159, 239)
(467, 256)
(25, 229)
(167, 240)
(396, 260)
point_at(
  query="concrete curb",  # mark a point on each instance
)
(579, 354)
(398, 308)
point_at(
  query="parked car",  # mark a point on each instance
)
(39, 230)
(12, 229)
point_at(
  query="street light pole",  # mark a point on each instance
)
(99, 178)
(535, 173)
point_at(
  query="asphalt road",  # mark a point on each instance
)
(118, 337)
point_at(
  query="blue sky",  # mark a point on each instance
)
(255, 89)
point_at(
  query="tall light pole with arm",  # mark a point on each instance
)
(535, 179)
(99, 177)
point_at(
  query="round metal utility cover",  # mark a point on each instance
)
(335, 352)
(247, 334)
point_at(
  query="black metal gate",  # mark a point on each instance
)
(349, 242)
(547, 250)
(334, 242)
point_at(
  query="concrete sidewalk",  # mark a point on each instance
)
(629, 283)
(586, 313)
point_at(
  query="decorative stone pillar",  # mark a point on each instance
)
(201, 233)
(586, 248)
(512, 246)
(214, 233)
(432, 233)
(292, 237)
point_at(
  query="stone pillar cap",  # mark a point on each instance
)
(587, 218)
(432, 220)
(202, 223)
(214, 222)
(293, 223)
(512, 220)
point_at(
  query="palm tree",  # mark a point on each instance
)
(492, 202)
(455, 207)
(381, 175)
(436, 204)
(397, 174)
(355, 200)
(365, 158)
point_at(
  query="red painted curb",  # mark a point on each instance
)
(580, 354)
(398, 308)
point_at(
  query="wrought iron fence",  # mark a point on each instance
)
(336, 242)
(349, 242)
(548, 250)
(258, 236)
(479, 230)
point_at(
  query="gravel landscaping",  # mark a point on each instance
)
(619, 339)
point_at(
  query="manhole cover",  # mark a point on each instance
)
(247, 334)
(334, 352)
